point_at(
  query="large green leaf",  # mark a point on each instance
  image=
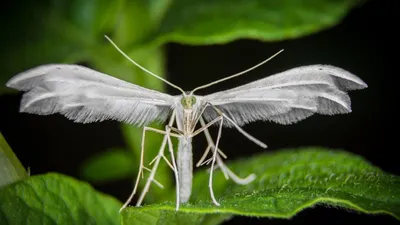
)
(56, 199)
(159, 216)
(11, 169)
(287, 182)
(210, 21)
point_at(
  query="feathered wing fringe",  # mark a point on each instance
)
(287, 97)
(86, 96)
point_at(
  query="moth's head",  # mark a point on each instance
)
(188, 101)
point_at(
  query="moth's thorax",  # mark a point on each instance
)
(187, 113)
(188, 122)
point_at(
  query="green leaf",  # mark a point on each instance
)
(148, 216)
(56, 199)
(11, 169)
(111, 165)
(70, 32)
(36, 37)
(287, 182)
(210, 21)
(108, 60)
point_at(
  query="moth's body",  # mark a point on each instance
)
(187, 115)
(85, 95)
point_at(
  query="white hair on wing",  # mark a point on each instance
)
(308, 75)
(288, 97)
(81, 109)
(85, 96)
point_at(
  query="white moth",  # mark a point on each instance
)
(84, 95)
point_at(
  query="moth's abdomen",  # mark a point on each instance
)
(185, 168)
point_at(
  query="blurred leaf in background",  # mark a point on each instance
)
(11, 169)
(97, 168)
(211, 22)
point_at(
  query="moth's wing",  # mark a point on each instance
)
(85, 95)
(287, 97)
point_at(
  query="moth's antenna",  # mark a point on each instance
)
(141, 67)
(236, 74)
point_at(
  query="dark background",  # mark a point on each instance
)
(360, 43)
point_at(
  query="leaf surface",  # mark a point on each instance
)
(287, 182)
(56, 199)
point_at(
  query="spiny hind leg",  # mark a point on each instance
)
(153, 170)
(140, 172)
(204, 127)
(174, 168)
(214, 157)
(156, 161)
(227, 172)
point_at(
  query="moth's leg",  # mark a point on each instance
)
(249, 136)
(176, 130)
(171, 151)
(227, 172)
(200, 162)
(165, 132)
(172, 165)
(152, 173)
(213, 162)
(155, 181)
(221, 164)
(203, 128)
(203, 157)
(156, 161)
(242, 181)
(169, 143)
(139, 172)
(234, 177)
(210, 146)
(141, 167)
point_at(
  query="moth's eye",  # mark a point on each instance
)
(183, 101)
(193, 100)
